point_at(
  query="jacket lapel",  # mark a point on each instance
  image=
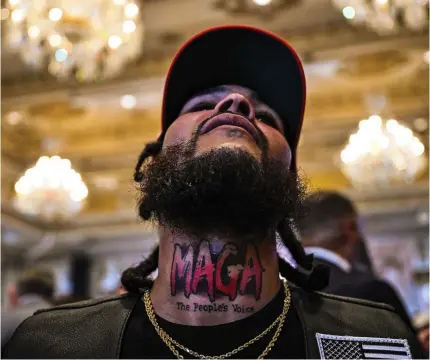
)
(302, 305)
(120, 320)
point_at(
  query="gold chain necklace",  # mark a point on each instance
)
(171, 343)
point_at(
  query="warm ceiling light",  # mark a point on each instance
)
(114, 42)
(33, 31)
(98, 38)
(128, 102)
(14, 118)
(386, 16)
(262, 2)
(381, 153)
(423, 218)
(51, 189)
(106, 182)
(55, 40)
(129, 26)
(421, 124)
(264, 9)
(348, 12)
(131, 10)
(61, 55)
(55, 14)
(427, 56)
(17, 15)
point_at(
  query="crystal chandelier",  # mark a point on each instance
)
(381, 153)
(386, 16)
(51, 189)
(89, 40)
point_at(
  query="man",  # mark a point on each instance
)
(362, 261)
(221, 181)
(34, 290)
(331, 233)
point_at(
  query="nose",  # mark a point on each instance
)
(238, 104)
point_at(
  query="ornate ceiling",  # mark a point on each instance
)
(346, 69)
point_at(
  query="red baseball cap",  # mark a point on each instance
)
(239, 55)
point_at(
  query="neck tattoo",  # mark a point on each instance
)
(234, 271)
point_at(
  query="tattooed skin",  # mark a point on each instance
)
(235, 270)
(214, 307)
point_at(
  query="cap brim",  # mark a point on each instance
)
(239, 55)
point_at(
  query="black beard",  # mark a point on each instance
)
(225, 192)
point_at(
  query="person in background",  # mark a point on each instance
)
(121, 290)
(331, 233)
(33, 291)
(421, 324)
(361, 260)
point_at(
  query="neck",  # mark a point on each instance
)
(215, 281)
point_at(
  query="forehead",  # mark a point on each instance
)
(222, 89)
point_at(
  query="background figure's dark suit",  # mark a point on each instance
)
(362, 285)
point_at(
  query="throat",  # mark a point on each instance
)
(214, 282)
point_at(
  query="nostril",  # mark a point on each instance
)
(238, 104)
(244, 109)
(226, 105)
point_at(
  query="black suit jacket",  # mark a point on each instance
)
(363, 285)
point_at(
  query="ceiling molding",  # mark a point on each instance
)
(335, 42)
(25, 228)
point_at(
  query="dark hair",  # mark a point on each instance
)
(305, 275)
(36, 281)
(150, 149)
(326, 210)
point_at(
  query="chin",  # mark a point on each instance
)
(247, 146)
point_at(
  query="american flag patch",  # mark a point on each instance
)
(351, 347)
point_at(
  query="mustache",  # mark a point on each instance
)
(262, 141)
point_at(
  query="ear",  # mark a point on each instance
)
(12, 295)
(349, 228)
(306, 241)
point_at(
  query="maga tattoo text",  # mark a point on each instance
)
(234, 270)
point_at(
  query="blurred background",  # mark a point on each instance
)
(81, 94)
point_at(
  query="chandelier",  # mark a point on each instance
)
(381, 153)
(51, 189)
(89, 40)
(386, 16)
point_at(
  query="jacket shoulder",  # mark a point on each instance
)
(356, 302)
(340, 316)
(97, 303)
(96, 325)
